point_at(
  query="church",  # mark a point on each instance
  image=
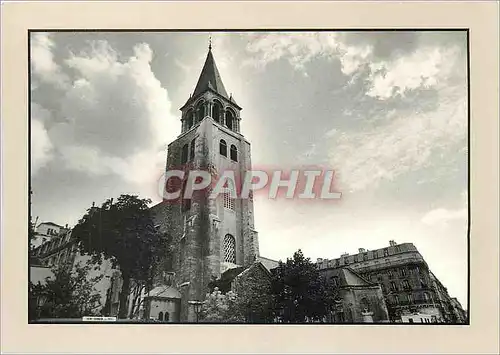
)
(210, 235)
(214, 238)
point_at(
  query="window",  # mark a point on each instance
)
(191, 149)
(365, 256)
(160, 316)
(229, 249)
(228, 200)
(410, 320)
(216, 111)
(355, 258)
(190, 119)
(406, 285)
(184, 156)
(391, 275)
(403, 272)
(421, 320)
(426, 296)
(200, 111)
(386, 252)
(234, 153)
(229, 119)
(393, 286)
(223, 147)
(167, 316)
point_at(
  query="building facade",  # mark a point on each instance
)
(45, 231)
(357, 299)
(407, 283)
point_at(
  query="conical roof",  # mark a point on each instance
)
(210, 78)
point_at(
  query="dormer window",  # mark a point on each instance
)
(223, 147)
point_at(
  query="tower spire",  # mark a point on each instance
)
(210, 76)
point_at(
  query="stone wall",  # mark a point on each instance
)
(354, 306)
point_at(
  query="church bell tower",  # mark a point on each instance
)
(210, 235)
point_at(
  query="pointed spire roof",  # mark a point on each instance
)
(210, 77)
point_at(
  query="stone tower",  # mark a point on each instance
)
(209, 235)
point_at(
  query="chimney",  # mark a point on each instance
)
(66, 226)
(319, 260)
(361, 250)
(344, 255)
(392, 243)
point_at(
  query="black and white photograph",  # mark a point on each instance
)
(249, 177)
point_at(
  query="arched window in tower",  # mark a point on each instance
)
(190, 119)
(229, 119)
(228, 198)
(160, 316)
(200, 111)
(184, 154)
(191, 149)
(223, 147)
(233, 153)
(229, 249)
(216, 111)
(167, 316)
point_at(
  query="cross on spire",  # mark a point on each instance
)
(209, 42)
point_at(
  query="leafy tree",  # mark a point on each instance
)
(221, 308)
(123, 232)
(254, 296)
(69, 294)
(300, 294)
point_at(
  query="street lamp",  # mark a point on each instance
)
(197, 307)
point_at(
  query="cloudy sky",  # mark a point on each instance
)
(387, 111)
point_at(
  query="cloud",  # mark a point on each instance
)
(116, 116)
(424, 68)
(442, 216)
(406, 143)
(394, 63)
(42, 62)
(41, 146)
(302, 48)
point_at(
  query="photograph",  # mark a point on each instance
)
(210, 176)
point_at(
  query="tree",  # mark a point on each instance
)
(300, 294)
(221, 308)
(69, 294)
(125, 233)
(254, 295)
